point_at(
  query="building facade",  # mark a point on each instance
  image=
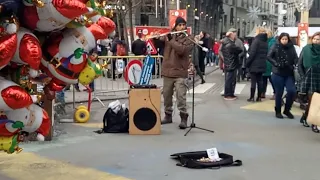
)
(155, 13)
(292, 12)
(236, 15)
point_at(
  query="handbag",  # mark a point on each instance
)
(191, 160)
(314, 110)
(296, 73)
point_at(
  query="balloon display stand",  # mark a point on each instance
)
(48, 106)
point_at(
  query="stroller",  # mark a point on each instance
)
(307, 85)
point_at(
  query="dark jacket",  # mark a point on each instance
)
(256, 61)
(271, 42)
(283, 59)
(139, 47)
(210, 43)
(202, 54)
(230, 53)
(176, 56)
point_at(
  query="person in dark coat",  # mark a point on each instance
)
(196, 60)
(202, 55)
(283, 58)
(230, 54)
(309, 71)
(256, 63)
(139, 47)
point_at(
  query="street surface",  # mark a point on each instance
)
(270, 148)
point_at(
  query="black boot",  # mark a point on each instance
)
(259, 95)
(278, 113)
(303, 120)
(167, 119)
(315, 129)
(252, 92)
(184, 120)
(288, 113)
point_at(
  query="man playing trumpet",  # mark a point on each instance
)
(175, 71)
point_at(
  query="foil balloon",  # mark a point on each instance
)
(11, 144)
(34, 119)
(59, 64)
(106, 23)
(28, 51)
(89, 73)
(14, 96)
(8, 46)
(54, 15)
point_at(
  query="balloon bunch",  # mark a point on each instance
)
(45, 42)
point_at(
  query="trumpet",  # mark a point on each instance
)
(164, 34)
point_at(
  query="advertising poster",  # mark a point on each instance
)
(303, 31)
(173, 14)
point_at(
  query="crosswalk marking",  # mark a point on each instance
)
(238, 90)
(241, 88)
(202, 88)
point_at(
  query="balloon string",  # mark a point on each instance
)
(3, 121)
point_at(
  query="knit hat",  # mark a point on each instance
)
(179, 20)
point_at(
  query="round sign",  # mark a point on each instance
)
(133, 72)
(176, 13)
(145, 31)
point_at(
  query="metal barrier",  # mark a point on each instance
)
(113, 80)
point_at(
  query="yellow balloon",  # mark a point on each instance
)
(10, 144)
(87, 75)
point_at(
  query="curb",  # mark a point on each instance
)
(126, 97)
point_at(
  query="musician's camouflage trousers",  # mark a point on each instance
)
(180, 87)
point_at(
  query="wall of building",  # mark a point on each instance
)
(236, 15)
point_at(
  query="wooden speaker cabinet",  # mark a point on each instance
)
(144, 111)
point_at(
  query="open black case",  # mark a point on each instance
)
(190, 160)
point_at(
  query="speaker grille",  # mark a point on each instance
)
(145, 119)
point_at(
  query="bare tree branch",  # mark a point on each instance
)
(128, 3)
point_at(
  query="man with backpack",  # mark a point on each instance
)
(118, 48)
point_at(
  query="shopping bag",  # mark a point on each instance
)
(120, 65)
(314, 110)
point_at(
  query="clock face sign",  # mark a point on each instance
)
(133, 72)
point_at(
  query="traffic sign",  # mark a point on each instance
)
(146, 74)
(133, 71)
(150, 47)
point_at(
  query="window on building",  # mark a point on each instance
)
(268, 6)
(231, 16)
(265, 6)
(252, 3)
(315, 10)
(225, 18)
(234, 2)
(276, 9)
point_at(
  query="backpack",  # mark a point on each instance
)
(121, 50)
(116, 123)
(190, 160)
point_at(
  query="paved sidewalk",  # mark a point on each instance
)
(106, 89)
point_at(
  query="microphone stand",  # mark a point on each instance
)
(193, 125)
(197, 26)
